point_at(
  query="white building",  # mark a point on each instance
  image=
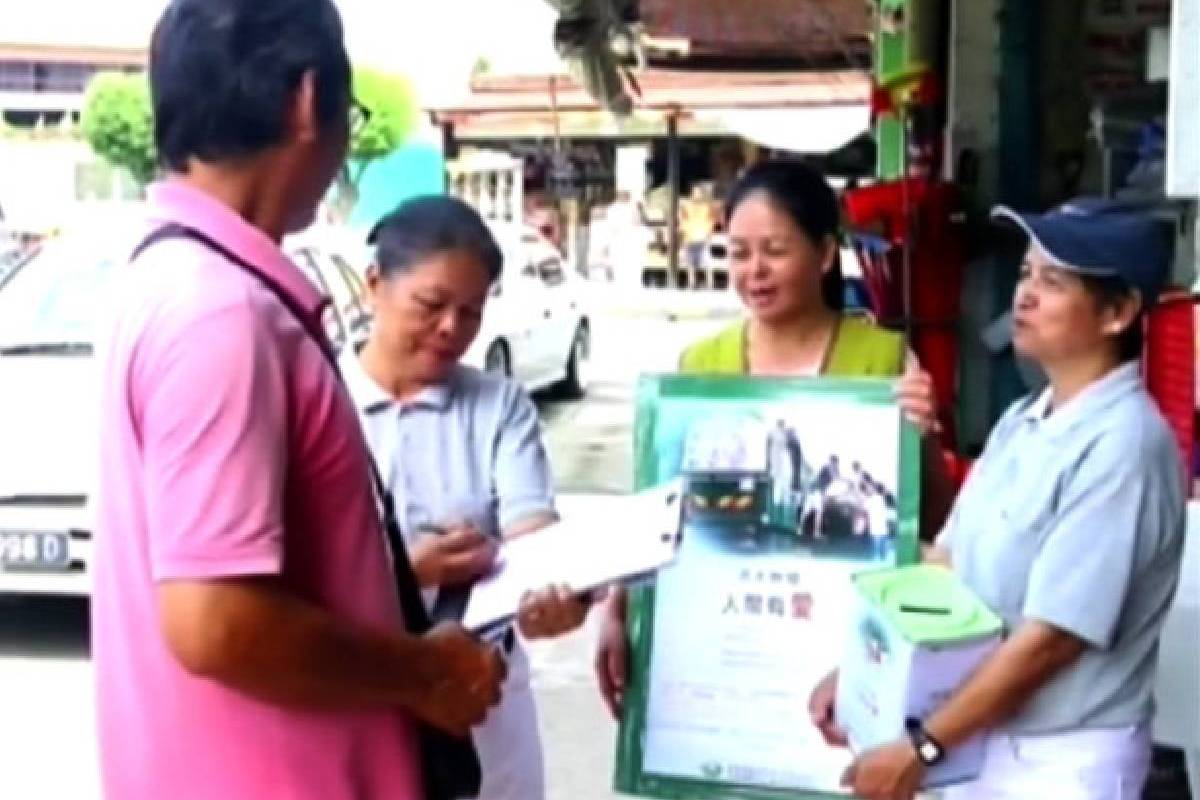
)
(49, 50)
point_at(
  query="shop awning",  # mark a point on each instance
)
(814, 129)
(801, 111)
(755, 34)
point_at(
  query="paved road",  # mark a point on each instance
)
(47, 744)
(591, 442)
(591, 449)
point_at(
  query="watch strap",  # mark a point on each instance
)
(929, 750)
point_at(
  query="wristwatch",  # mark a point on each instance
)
(929, 750)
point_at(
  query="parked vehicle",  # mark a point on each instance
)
(535, 328)
(17, 245)
(48, 318)
(330, 266)
(12, 256)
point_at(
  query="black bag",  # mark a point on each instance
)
(450, 765)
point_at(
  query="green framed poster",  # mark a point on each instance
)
(789, 487)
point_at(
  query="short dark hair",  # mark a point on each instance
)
(427, 226)
(223, 73)
(800, 191)
(1111, 292)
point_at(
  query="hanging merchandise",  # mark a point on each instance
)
(911, 240)
(909, 232)
(1170, 367)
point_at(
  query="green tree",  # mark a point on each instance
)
(392, 104)
(482, 66)
(118, 124)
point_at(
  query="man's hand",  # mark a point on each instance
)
(454, 558)
(891, 772)
(551, 612)
(822, 710)
(465, 680)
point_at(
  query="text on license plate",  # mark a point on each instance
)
(26, 550)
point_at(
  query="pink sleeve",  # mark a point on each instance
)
(211, 406)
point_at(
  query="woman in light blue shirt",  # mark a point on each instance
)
(1071, 528)
(461, 450)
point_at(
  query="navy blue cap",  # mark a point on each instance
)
(1096, 237)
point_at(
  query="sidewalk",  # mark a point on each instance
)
(578, 735)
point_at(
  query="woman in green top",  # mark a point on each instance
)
(783, 231)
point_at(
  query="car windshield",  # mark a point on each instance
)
(10, 254)
(54, 298)
(11, 259)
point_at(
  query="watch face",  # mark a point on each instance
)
(929, 752)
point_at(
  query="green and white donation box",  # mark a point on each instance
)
(918, 633)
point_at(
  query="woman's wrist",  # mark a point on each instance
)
(614, 606)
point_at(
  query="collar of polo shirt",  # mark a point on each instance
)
(436, 397)
(175, 201)
(1111, 387)
(372, 398)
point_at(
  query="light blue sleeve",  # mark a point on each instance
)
(522, 477)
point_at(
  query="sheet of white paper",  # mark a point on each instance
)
(636, 535)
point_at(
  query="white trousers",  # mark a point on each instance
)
(508, 742)
(1108, 764)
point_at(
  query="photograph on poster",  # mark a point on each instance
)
(776, 480)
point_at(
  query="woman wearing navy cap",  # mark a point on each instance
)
(1071, 528)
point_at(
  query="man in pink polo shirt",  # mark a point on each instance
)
(248, 639)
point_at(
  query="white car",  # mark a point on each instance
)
(330, 268)
(48, 399)
(535, 328)
(11, 257)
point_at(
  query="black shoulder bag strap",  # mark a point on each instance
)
(450, 764)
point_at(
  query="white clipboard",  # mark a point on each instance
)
(629, 541)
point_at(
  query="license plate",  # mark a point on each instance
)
(34, 551)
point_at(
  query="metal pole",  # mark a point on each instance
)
(673, 179)
(910, 218)
(449, 150)
(558, 143)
